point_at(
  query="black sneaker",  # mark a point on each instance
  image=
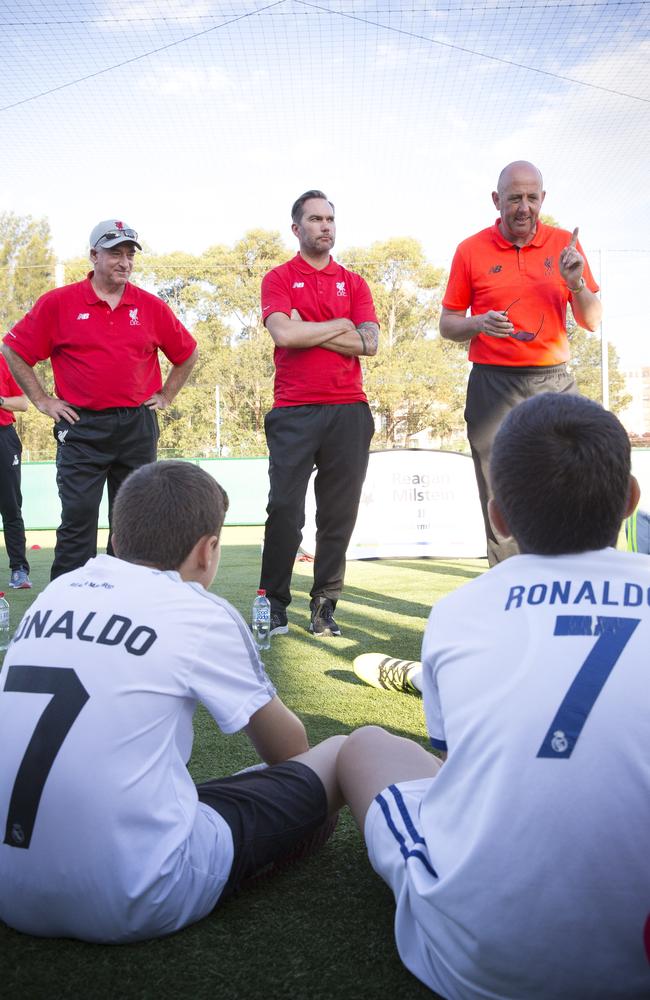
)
(279, 624)
(322, 621)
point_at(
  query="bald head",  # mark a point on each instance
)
(517, 168)
(519, 198)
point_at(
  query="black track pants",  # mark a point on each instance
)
(492, 391)
(11, 498)
(336, 440)
(103, 446)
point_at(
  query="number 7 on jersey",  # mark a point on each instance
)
(612, 635)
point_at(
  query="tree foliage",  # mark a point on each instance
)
(217, 295)
(416, 381)
(586, 366)
(26, 264)
(27, 270)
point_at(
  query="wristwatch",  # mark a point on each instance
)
(581, 285)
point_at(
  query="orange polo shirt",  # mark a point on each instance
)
(488, 272)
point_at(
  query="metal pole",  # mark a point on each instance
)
(604, 353)
(217, 406)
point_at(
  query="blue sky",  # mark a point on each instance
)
(198, 120)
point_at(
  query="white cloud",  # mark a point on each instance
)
(187, 82)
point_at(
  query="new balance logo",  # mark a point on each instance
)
(298, 284)
(16, 460)
(61, 435)
(495, 269)
(83, 316)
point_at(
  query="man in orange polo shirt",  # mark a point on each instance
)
(516, 279)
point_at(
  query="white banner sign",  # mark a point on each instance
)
(414, 503)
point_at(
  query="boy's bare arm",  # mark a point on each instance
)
(276, 733)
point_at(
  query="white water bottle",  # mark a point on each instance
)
(261, 620)
(5, 630)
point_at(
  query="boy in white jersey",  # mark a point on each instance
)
(520, 865)
(105, 835)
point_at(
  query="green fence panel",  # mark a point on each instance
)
(244, 479)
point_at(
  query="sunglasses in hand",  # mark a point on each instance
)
(523, 334)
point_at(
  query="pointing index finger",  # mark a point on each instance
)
(574, 237)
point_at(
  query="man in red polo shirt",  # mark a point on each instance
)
(12, 401)
(322, 319)
(516, 279)
(102, 335)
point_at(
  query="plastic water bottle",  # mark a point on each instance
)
(261, 620)
(5, 630)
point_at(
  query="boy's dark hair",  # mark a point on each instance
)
(163, 509)
(560, 473)
(299, 204)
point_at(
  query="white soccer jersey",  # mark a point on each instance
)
(103, 835)
(528, 861)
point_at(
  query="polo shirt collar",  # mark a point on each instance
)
(91, 296)
(538, 240)
(305, 267)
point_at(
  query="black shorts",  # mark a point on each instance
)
(269, 812)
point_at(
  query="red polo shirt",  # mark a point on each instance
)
(101, 357)
(314, 374)
(488, 272)
(8, 387)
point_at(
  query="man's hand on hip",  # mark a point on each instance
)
(57, 409)
(158, 401)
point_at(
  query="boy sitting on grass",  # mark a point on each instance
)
(520, 865)
(105, 835)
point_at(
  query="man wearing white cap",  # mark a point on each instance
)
(102, 336)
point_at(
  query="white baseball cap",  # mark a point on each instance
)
(110, 233)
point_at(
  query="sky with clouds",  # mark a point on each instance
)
(197, 120)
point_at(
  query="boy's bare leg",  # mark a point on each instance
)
(372, 759)
(322, 760)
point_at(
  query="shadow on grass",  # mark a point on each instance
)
(347, 676)
(442, 567)
(403, 640)
(354, 596)
(371, 620)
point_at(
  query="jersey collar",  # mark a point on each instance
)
(91, 296)
(542, 233)
(305, 267)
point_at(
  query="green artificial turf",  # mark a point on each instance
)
(324, 929)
